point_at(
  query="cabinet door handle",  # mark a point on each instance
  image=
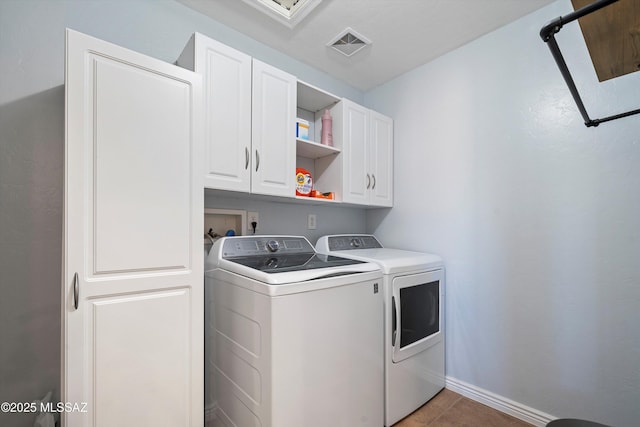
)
(76, 291)
(368, 181)
(246, 158)
(257, 160)
(374, 182)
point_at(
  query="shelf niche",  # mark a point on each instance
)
(320, 160)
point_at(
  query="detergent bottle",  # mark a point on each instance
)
(327, 123)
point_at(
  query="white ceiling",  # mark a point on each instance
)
(404, 33)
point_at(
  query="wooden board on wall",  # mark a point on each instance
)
(612, 35)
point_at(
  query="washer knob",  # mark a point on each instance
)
(355, 243)
(273, 245)
(271, 262)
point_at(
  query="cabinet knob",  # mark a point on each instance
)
(246, 158)
(257, 160)
(368, 181)
(373, 187)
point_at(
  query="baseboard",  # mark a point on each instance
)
(500, 403)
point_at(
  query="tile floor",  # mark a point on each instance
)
(448, 409)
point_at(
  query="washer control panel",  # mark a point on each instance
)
(265, 245)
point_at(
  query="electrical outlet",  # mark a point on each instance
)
(311, 222)
(252, 217)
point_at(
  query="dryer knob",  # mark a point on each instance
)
(273, 245)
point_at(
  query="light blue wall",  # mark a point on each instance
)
(32, 39)
(537, 217)
(32, 162)
(291, 218)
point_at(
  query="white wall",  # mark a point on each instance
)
(32, 162)
(537, 217)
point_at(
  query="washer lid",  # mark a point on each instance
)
(292, 262)
(278, 260)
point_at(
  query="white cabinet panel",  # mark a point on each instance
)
(133, 361)
(273, 131)
(381, 160)
(226, 75)
(138, 200)
(368, 156)
(356, 153)
(132, 271)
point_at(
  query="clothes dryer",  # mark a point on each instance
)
(413, 290)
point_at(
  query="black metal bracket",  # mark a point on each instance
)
(547, 33)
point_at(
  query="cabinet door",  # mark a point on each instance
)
(132, 305)
(381, 160)
(227, 86)
(357, 179)
(273, 131)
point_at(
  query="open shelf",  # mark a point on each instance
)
(314, 150)
(314, 99)
(322, 161)
(315, 200)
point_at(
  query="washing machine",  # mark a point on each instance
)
(293, 338)
(413, 287)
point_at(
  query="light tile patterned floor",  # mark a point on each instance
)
(449, 409)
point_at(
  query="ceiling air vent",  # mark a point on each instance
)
(348, 42)
(287, 12)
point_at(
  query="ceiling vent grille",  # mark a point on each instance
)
(287, 12)
(348, 42)
(287, 4)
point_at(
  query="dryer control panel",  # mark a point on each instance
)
(348, 242)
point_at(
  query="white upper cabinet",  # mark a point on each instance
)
(355, 134)
(249, 119)
(367, 145)
(226, 75)
(273, 131)
(381, 160)
(132, 311)
(250, 111)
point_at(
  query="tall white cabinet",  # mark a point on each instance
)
(367, 155)
(249, 119)
(133, 268)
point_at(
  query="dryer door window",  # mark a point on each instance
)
(416, 313)
(419, 312)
